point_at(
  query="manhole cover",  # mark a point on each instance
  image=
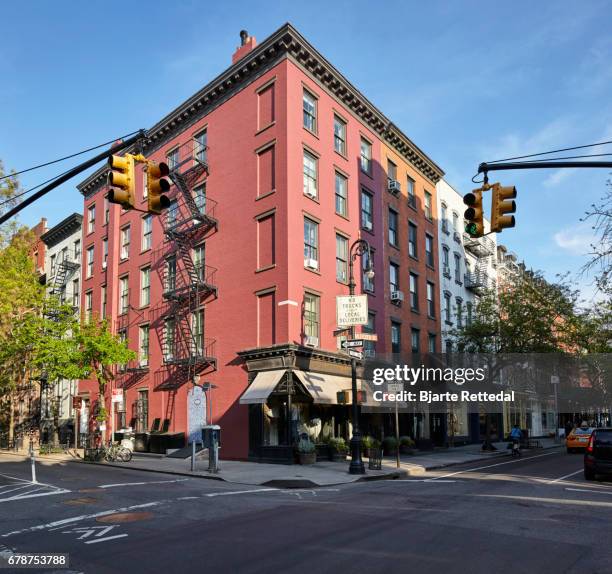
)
(125, 517)
(83, 500)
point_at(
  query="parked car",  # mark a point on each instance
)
(598, 454)
(578, 439)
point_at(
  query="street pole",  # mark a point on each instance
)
(360, 246)
(32, 460)
(397, 450)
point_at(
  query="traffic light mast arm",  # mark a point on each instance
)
(486, 167)
(70, 174)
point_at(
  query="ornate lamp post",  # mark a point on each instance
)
(358, 248)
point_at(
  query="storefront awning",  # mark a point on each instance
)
(324, 388)
(261, 387)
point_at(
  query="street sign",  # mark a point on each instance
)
(351, 310)
(117, 396)
(341, 332)
(355, 354)
(395, 387)
(351, 343)
(368, 336)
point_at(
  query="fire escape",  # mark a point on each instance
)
(482, 249)
(64, 268)
(188, 282)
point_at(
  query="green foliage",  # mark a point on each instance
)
(389, 443)
(306, 447)
(338, 444)
(407, 441)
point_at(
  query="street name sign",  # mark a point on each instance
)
(368, 336)
(395, 387)
(355, 354)
(349, 343)
(351, 310)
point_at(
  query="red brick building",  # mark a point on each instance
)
(236, 283)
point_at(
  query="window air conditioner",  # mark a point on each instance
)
(393, 186)
(397, 296)
(311, 263)
(312, 341)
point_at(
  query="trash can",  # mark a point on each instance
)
(375, 462)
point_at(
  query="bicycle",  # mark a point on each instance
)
(115, 453)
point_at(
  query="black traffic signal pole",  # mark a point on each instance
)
(486, 167)
(70, 174)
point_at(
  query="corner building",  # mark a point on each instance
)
(278, 166)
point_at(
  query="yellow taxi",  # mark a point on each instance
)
(578, 439)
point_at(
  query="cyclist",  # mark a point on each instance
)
(515, 436)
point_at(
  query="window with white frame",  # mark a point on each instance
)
(106, 209)
(90, 261)
(411, 193)
(91, 219)
(172, 214)
(394, 277)
(396, 337)
(367, 265)
(310, 174)
(200, 146)
(170, 279)
(199, 197)
(125, 242)
(457, 268)
(311, 315)
(431, 304)
(414, 291)
(76, 294)
(311, 243)
(145, 286)
(88, 306)
(393, 231)
(310, 111)
(124, 295)
(447, 307)
(172, 158)
(416, 340)
(366, 156)
(428, 208)
(104, 252)
(341, 192)
(412, 239)
(459, 303)
(76, 253)
(429, 254)
(444, 217)
(147, 232)
(367, 206)
(341, 258)
(197, 325)
(143, 345)
(445, 260)
(199, 260)
(169, 338)
(431, 342)
(339, 135)
(103, 302)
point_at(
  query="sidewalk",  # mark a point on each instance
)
(322, 473)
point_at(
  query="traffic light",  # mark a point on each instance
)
(157, 186)
(121, 178)
(502, 203)
(473, 214)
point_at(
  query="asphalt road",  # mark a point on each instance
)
(536, 515)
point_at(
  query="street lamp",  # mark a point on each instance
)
(358, 248)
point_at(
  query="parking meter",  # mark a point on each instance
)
(211, 435)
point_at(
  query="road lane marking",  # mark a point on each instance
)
(566, 476)
(589, 490)
(549, 500)
(492, 465)
(96, 540)
(141, 483)
(256, 490)
(421, 480)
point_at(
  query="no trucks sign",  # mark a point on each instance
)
(351, 310)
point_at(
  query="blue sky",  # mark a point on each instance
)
(468, 81)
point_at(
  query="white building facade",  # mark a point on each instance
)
(63, 279)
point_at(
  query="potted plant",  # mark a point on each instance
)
(338, 449)
(407, 445)
(369, 443)
(390, 445)
(307, 452)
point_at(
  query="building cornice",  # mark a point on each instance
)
(286, 42)
(62, 230)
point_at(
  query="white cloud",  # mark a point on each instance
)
(557, 177)
(577, 240)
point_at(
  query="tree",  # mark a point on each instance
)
(600, 214)
(9, 191)
(99, 350)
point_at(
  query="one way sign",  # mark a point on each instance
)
(351, 343)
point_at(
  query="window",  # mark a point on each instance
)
(366, 156)
(145, 185)
(412, 240)
(411, 194)
(445, 261)
(172, 158)
(339, 135)
(455, 221)
(145, 286)
(310, 111)
(88, 306)
(457, 268)
(169, 339)
(143, 345)
(125, 242)
(414, 291)
(53, 262)
(199, 260)
(449, 347)
(341, 259)
(104, 252)
(341, 189)
(91, 219)
(170, 283)
(147, 232)
(431, 304)
(396, 337)
(391, 170)
(429, 254)
(393, 227)
(311, 315)
(122, 335)
(63, 255)
(393, 277)
(447, 308)
(311, 243)
(431, 342)
(428, 211)
(103, 302)
(76, 253)
(366, 210)
(468, 307)
(90, 261)
(459, 302)
(415, 336)
(310, 174)
(200, 146)
(106, 210)
(367, 282)
(172, 215)
(76, 295)
(124, 299)
(369, 327)
(199, 196)
(443, 217)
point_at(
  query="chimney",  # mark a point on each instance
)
(247, 43)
